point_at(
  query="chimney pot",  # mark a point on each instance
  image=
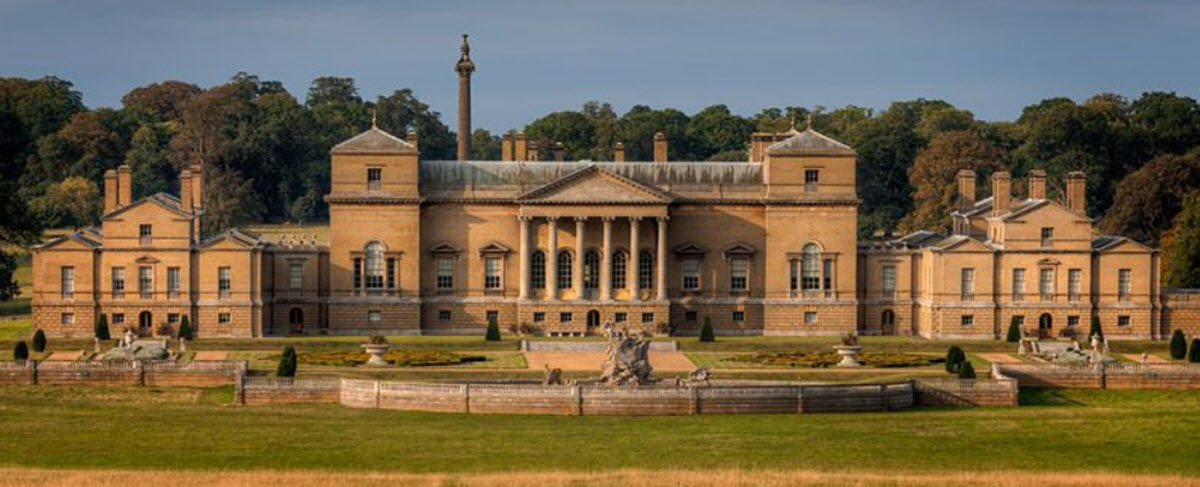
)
(966, 189)
(1001, 192)
(110, 191)
(1077, 192)
(521, 147)
(619, 152)
(185, 189)
(660, 147)
(506, 147)
(413, 139)
(1037, 184)
(124, 186)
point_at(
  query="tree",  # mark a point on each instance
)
(159, 102)
(76, 200)
(1194, 351)
(20, 351)
(9, 288)
(967, 371)
(706, 331)
(641, 122)
(715, 129)
(954, 359)
(1181, 247)
(101, 332)
(573, 129)
(148, 159)
(1178, 345)
(493, 330)
(287, 363)
(230, 200)
(934, 174)
(1096, 330)
(1171, 122)
(185, 328)
(484, 146)
(1148, 199)
(1014, 331)
(402, 111)
(39, 340)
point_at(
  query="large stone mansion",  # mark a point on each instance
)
(762, 247)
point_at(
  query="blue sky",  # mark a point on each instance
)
(533, 57)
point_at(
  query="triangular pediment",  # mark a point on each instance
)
(73, 241)
(1119, 245)
(739, 248)
(232, 239)
(150, 205)
(593, 185)
(494, 248)
(146, 259)
(374, 141)
(690, 248)
(445, 248)
(962, 243)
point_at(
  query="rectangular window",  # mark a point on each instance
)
(647, 317)
(68, 282)
(621, 317)
(690, 270)
(224, 318)
(491, 273)
(738, 316)
(794, 283)
(391, 273)
(968, 284)
(646, 269)
(296, 278)
(689, 317)
(173, 318)
(1074, 279)
(223, 282)
(810, 317)
(564, 317)
(539, 316)
(145, 234)
(492, 315)
(811, 178)
(1073, 320)
(374, 316)
(1123, 284)
(68, 318)
(374, 178)
(827, 284)
(444, 315)
(1046, 284)
(146, 282)
(1019, 320)
(358, 277)
(619, 264)
(172, 283)
(1018, 285)
(118, 318)
(968, 320)
(118, 283)
(1047, 236)
(1123, 320)
(889, 281)
(445, 273)
(738, 271)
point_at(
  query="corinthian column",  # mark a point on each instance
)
(552, 259)
(577, 263)
(660, 255)
(635, 259)
(523, 292)
(606, 261)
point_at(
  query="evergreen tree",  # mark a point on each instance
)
(967, 371)
(1178, 345)
(706, 332)
(185, 328)
(1014, 331)
(287, 363)
(39, 341)
(21, 351)
(1194, 352)
(102, 328)
(493, 330)
(1096, 330)
(954, 359)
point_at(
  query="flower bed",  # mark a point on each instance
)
(829, 359)
(400, 358)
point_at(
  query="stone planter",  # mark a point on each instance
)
(376, 352)
(849, 355)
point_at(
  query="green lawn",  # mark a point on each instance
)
(147, 428)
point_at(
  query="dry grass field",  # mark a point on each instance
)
(614, 478)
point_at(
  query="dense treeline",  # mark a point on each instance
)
(265, 153)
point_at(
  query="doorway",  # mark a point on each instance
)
(888, 322)
(593, 321)
(296, 321)
(145, 324)
(1045, 326)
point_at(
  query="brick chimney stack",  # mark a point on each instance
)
(660, 147)
(413, 139)
(124, 186)
(1037, 184)
(966, 189)
(521, 147)
(110, 190)
(560, 152)
(532, 152)
(1077, 192)
(464, 68)
(197, 187)
(619, 152)
(1001, 192)
(185, 189)
(506, 147)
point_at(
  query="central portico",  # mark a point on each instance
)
(593, 249)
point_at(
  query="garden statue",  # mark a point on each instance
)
(553, 377)
(96, 347)
(849, 350)
(626, 358)
(376, 347)
(128, 338)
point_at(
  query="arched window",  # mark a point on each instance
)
(564, 269)
(373, 265)
(296, 316)
(645, 269)
(619, 262)
(591, 270)
(810, 270)
(537, 270)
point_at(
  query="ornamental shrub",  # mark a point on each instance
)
(21, 351)
(287, 363)
(1194, 353)
(185, 328)
(954, 359)
(1178, 345)
(39, 341)
(1096, 330)
(493, 330)
(706, 331)
(967, 371)
(102, 328)
(1014, 331)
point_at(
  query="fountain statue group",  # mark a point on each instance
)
(626, 358)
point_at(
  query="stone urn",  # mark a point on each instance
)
(849, 355)
(376, 348)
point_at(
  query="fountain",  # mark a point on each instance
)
(849, 350)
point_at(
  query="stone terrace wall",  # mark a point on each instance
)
(1000, 390)
(122, 373)
(587, 346)
(286, 390)
(1106, 376)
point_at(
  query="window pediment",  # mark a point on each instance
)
(445, 248)
(739, 249)
(691, 249)
(494, 248)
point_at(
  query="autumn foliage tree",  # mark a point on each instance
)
(1181, 247)
(932, 177)
(1148, 199)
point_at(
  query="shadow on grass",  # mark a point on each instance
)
(1044, 397)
